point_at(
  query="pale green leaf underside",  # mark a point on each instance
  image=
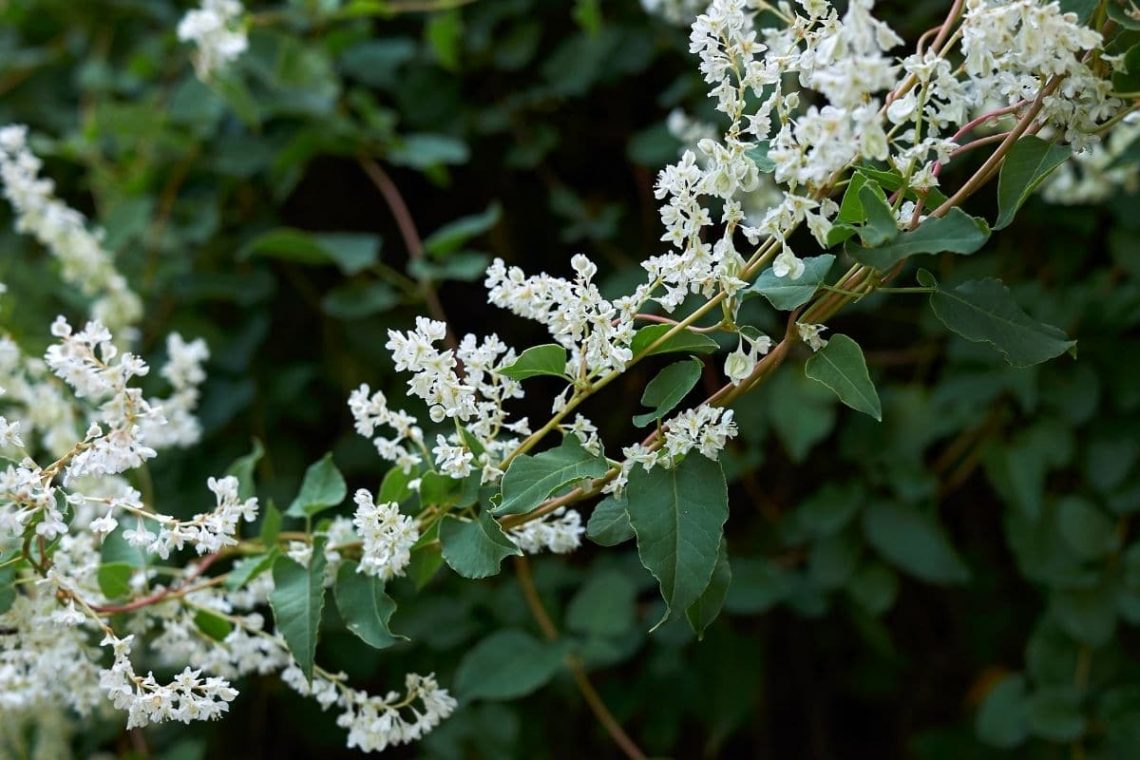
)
(785, 293)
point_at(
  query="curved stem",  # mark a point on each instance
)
(412, 240)
(581, 680)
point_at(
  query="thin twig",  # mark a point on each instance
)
(581, 680)
(412, 240)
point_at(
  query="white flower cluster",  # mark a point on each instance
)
(184, 371)
(1100, 171)
(377, 723)
(43, 663)
(218, 31)
(559, 532)
(704, 429)
(1012, 47)
(63, 231)
(596, 332)
(387, 536)
(476, 398)
(188, 697)
(207, 532)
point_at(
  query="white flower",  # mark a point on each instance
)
(810, 334)
(217, 31)
(387, 536)
(63, 231)
(559, 531)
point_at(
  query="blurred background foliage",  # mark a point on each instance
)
(961, 580)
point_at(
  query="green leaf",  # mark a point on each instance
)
(588, 15)
(914, 542)
(365, 607)
(213, 625)
(352, 252)
(890, 180)
(322, 488)
(425, 562)
(604, 606)
(685, 341)
(1029, 162)
(506, 665)
(7, 588)
(1129, 79)
(874, 587)
(1118, 14)
(530, 480)
(115, 579)
(881, 225)
(667, 389)
(475, 548)
(1003, 717)
(439, 490)
(785, 293)
(270, 524)
(832, 560)
(394, 486)
(243, 468)
(841, 367)
(547, 359)
(1088, 531)
(1055, 714)
(245, 570)
(444, 33)
(1088, 615)
(609, 522)
(957, 232)
(851, 209)
(704, 611)
(297, 600)
(983, 311)
(759, 156)
(454, 235)
(357, 300)
(678, 516)
(421, 151)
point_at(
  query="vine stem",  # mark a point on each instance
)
(411, 235)
(158, 596)
(581, 680)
